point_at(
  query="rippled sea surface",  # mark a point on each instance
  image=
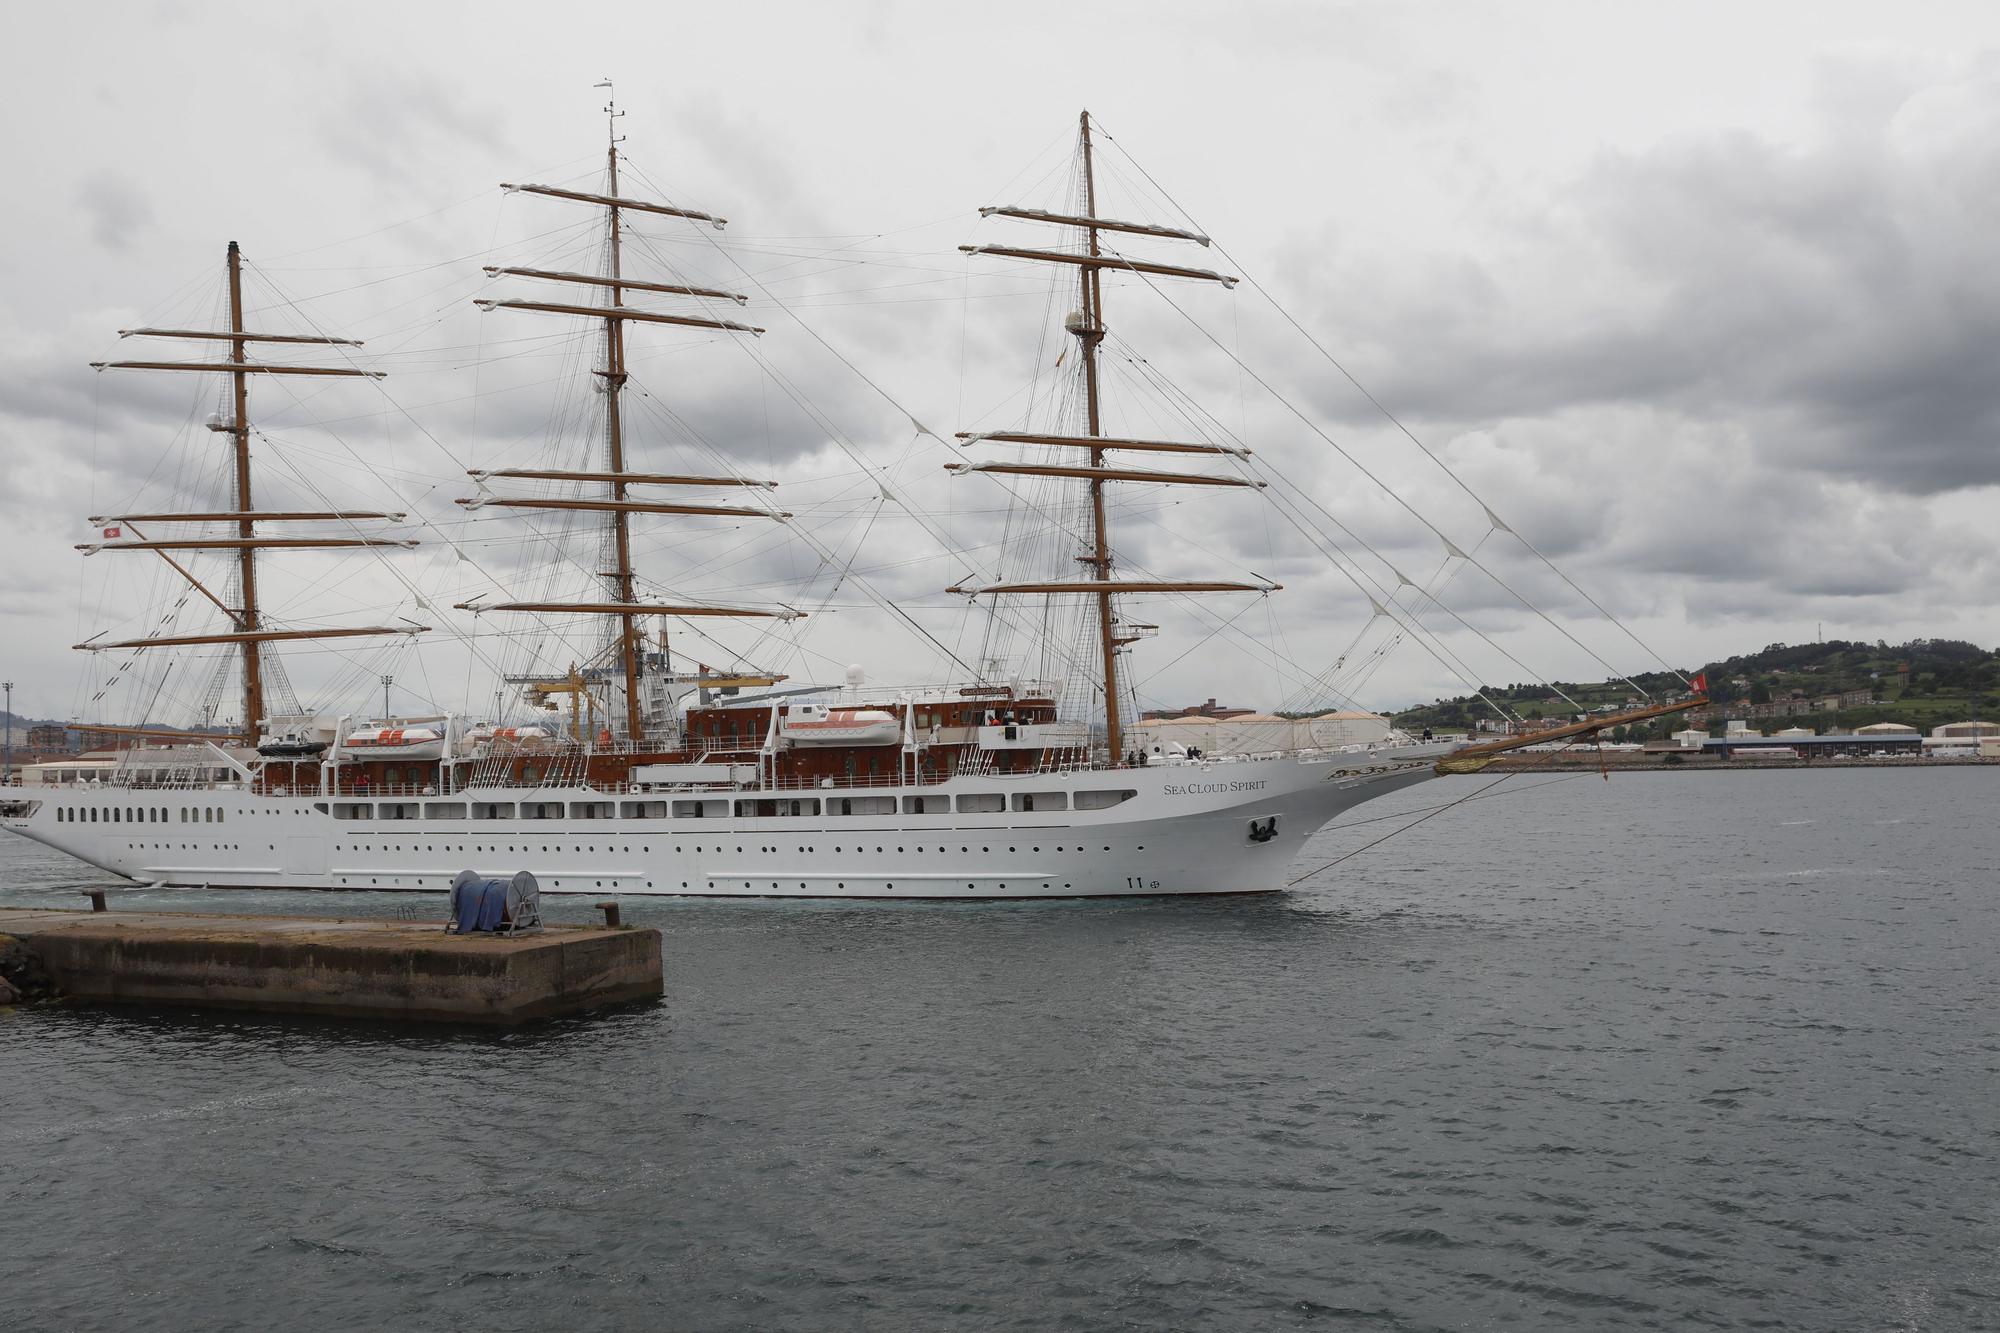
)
(1673, 1051)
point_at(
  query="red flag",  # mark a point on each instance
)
(114, 532)
(1700, 683)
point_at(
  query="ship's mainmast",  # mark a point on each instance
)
(1091, 260)
(246, 619)
(623, 604)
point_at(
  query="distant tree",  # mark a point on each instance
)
(1760, 693)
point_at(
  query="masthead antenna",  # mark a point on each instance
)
(611, 112)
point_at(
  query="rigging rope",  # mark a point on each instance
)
(1397, 422)
(1433, 813)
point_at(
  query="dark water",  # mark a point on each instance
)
(1677, 1051)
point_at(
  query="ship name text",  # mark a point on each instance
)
(1214, 788)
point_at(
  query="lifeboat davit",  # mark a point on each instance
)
(810, 724)
(395, 743)
(514, 735)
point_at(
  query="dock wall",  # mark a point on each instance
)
(348, 969)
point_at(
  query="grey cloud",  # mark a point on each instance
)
(117, 211)
(1833, 296)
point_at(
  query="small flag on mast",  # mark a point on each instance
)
(114, 532)
(1700, 683)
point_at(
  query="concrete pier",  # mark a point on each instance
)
(339, 967)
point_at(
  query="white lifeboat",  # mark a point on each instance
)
(395, 743)
(816, 724)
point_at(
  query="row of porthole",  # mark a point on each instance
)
(941, 851)
(495, 848)
(554, 883)
(185, 846)
(842, 884)
(598, 883)
(677, 850)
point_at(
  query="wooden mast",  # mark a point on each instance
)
(246, 621)
(621, 517)
(622, 601)
(1090, 281)
(246, 528)
(1088, 327)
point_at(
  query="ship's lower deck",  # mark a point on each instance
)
(1225, 827)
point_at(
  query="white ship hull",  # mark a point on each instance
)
(1185, 828)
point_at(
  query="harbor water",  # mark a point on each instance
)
(1671, 1051)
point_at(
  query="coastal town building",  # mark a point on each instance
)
(48, 738)
(1844, 745)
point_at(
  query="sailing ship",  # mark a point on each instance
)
(679, 783)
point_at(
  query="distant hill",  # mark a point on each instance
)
(1923, 682)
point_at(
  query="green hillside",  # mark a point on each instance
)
(1921, 683)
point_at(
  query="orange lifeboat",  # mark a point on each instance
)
(395, 743)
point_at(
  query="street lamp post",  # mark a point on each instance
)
(7, 765)
(387, 681)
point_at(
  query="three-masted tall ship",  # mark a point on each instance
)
(637, 778)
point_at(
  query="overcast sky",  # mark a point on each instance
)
(1700, 298)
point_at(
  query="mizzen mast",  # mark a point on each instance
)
(246, 619)
(1087, 325)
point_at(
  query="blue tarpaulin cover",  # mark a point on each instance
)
(477, 904)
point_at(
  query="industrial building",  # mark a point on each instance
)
(1856, 745)
(1259, 733)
